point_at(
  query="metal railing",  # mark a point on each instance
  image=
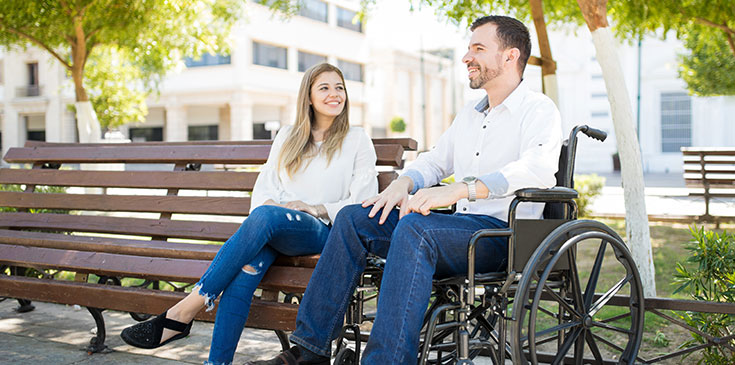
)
(28, 91)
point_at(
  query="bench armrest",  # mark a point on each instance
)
(555, 194)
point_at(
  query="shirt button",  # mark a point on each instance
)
(477, 153)
(464, 209)
(484, 126)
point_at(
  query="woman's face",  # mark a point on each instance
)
(328, 95)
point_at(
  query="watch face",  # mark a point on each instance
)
(469, 179)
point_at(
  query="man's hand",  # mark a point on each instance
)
(396, 194)
(441, 196)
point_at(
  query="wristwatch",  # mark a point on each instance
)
(471, 187)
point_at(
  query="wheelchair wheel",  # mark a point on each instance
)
(345, 357)
(586, 311)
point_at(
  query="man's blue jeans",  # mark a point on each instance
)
(269, 231)
(417, 248)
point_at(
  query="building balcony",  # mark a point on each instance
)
(28, 91)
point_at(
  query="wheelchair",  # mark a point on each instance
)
(571, 292)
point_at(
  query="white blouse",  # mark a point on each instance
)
(349, 178)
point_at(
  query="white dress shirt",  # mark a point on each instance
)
(514, 145)
(350, 177)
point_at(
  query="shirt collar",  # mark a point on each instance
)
(512, 102)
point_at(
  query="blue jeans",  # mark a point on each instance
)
(269, 231)
(417, 248)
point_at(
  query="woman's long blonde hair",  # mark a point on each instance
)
(299, 147)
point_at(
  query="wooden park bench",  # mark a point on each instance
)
(157, 215)
(710, 170)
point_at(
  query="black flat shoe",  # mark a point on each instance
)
(291, 356)
(147, 335)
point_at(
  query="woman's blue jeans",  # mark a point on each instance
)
(269, 231)
(417, 248)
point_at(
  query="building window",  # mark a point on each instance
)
(259, 131)
(36, 136)
(676, 121)
(351, 70)
(207, 60)
(271, 56)
(146, 134)
(599, 95)
(203, 133)
(345, 20)
(597, 77)
(600, 114)
(314, 9)
(307, 60)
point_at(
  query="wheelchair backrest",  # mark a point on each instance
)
(564, 177)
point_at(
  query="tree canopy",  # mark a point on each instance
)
(134, 42)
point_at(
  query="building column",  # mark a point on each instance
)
(68, 125)
(11, 128)
(241, 118)
(52, 118)
(175, 125)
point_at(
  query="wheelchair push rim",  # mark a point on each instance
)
(562, 316)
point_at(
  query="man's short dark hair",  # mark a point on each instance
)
(511, 33)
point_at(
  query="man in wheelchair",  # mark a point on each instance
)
(508, 140)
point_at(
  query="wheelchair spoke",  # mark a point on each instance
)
(608, 295)
(576, 286)
(562, 302)
(589, 292)
(612, 328)
(593, 346)
(568, 342)
(558, 328)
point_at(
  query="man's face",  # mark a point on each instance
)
(484, 58)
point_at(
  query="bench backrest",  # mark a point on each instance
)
(709, 167)
(183, 192)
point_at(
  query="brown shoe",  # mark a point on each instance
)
(291, 356)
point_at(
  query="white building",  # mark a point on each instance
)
(252, 91)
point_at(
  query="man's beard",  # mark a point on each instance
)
(484, 76)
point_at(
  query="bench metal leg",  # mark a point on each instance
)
(283, 338)
(25, 305)
(97, 343)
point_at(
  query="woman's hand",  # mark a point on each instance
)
(318, 211)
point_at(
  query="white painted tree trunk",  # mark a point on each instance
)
(87, 123)
(636, 218)
(551, 88)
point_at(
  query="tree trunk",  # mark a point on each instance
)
(636, 219)
(548, 66)
(87, 124)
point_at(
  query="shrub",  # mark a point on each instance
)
(709, 275)
(398, 125)
(588, 187)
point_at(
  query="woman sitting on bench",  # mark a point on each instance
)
(314, 169)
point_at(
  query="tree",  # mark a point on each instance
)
(149, 35)
(708, 68)
(707, 28)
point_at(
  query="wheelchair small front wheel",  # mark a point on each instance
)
(345, 357)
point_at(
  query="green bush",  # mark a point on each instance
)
(709, 275)
(588, 187)
(398, 125)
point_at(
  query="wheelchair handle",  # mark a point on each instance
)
(593, 133)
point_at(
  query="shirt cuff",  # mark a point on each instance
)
(417, 178)
(496, 184)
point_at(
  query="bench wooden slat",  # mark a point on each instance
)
(182, 270)
(713, 183)
(388, 155)
(698, 170)
(696, 151)
(129, 203)
(196, 180)
(290, 279)
(132, 247)
(690, 161)
(714, 194)
(212, 231)
(178, 250)
(266, 315)
(408, 144)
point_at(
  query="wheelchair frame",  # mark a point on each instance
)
(542, 272)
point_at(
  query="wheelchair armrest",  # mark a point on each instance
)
(557, 193)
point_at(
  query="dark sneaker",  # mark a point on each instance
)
(291, 356)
